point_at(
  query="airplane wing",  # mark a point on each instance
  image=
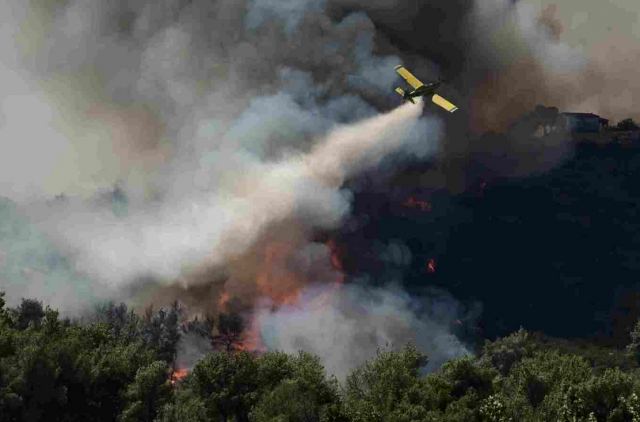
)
(407, 76)
(443, 103)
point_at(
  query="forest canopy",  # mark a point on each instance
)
(117, 365)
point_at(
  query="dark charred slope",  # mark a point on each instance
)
(557, 252)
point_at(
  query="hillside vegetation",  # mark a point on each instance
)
(117, 366)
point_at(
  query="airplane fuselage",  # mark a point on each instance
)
(424, 90)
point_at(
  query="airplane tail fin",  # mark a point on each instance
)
(400, 91)
(443, 103)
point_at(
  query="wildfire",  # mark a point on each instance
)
(431, 266)
(251, 339)
(336, 262)
(178, 375)
(412, 202)
(275, 280)
(223, 300)
(280, 278)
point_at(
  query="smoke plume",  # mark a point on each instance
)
(350, 327)
(200, 146)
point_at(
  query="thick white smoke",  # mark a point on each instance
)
(216, 224)
(350, 326)
(212, 134)
(577, 58)
(164, 101)
(216, 120)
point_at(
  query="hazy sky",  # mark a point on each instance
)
(589, 22)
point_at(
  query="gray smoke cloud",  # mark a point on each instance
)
(559, 54)
(250, 195)
(32, 267)
(195, 110)
(349, 326)
(220, 121)
(215, 120)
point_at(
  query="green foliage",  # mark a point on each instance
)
(289, 401)
(149, 391)
(29, 313)
(536, 383)
(459, 389)
(55, 370)
(160, 331)
(230, 327)
(632, 406)
(386, 388)
(224, 334)
(123, 323)
(600, 358)
(295, 389)
(227, 384)
(494, 409)
(242, 387)
(116, 367)
(608, 397)
(634, 347)
(186, 406)
(4, 314)
(627, 124)
(502, 354)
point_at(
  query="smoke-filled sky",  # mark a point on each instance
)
(205, 144)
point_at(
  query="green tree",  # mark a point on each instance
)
(607, 397)
(458, 390)
(60, 370)
(546, 117)
(29, 312)
(186, 406)
(226, 382)
(493, 409)
(627, 124)
(536, 384)
(386, 388)
(230, 326)
(634, 347)
(295, 388)
(225, 334)
(4, 314)
(123, 322)
(149, 391)
(161, 331)
(503, 353)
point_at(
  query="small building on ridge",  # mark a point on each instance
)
(583, 123)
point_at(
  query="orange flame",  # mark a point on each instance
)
(431, 265)
(178, 375)
(274, 280)
(336, 261)
(283, 284)
(412, 202)
(251, 339)
(223, 301)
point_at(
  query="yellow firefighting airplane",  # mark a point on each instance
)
(420, 89)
